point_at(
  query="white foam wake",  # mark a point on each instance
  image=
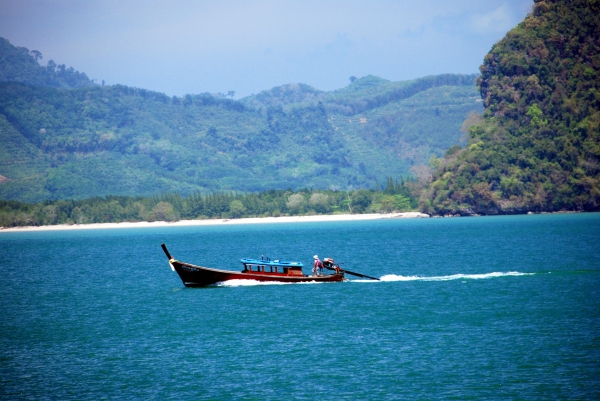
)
(387, 277)
(249, 283)
(394, 277)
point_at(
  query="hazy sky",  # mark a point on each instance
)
(187, 46)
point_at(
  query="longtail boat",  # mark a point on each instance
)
(254, 269)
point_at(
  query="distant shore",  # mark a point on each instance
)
(217, 222)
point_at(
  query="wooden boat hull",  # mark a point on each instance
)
(199, 276)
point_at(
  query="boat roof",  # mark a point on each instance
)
(268, 262)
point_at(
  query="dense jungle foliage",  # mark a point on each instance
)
(95, 141)
(397, 196)
(537, 147)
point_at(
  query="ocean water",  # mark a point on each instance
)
(468, 308)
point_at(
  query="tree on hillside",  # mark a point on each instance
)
(36, 55)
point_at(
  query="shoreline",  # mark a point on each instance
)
(217, 222)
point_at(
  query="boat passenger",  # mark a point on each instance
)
(317, 267)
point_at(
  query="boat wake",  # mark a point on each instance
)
(387, 277)
(395, 277)
(250, 283)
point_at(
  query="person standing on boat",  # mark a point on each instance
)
(317, 267)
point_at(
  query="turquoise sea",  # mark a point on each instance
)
(468, 308)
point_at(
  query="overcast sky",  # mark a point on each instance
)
(186, 46)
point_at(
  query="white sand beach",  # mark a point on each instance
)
(215, 222)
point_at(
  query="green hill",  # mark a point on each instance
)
(18, 64)
(537, 147)
(79, 140)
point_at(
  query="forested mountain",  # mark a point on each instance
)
(537, 147)
(85, 140)
(18, 64)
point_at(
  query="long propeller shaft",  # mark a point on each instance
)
(352, 273)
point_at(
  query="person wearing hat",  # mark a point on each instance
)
(316, 266)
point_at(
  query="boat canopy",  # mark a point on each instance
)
(268, 262)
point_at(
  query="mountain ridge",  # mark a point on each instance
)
(94, 140)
